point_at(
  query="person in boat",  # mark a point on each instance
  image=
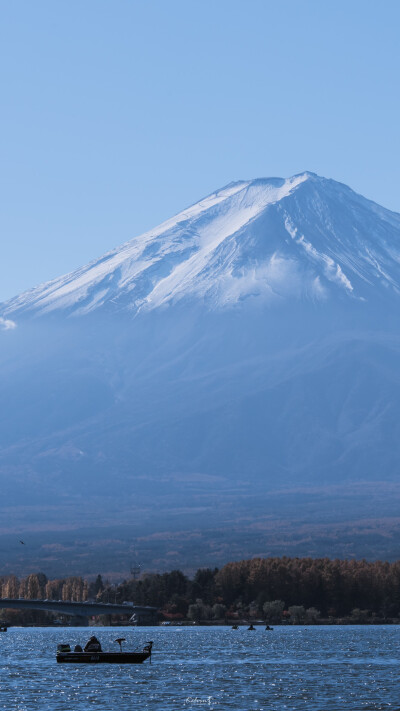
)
(93, 645)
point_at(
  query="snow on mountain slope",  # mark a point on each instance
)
(302, 237)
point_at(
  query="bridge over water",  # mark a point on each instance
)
(81, 611)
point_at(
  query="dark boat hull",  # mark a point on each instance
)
(102, 657)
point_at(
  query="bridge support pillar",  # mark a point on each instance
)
(79, 621)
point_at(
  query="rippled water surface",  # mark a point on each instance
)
(313, 668)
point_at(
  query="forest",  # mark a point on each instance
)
(279, 590)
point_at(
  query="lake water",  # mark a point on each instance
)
(313, 668)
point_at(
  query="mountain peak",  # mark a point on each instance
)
(303, 237)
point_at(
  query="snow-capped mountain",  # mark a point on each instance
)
(232, 375)
(304, 237)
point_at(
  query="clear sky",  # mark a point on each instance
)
(116, 114)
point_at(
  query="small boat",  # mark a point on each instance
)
(3, 629)
(268, 628)
(65, 656)
(235, 627)
(251, 628)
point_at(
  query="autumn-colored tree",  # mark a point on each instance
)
(32, 587)
(10, 587)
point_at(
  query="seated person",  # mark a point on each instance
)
(93, 645)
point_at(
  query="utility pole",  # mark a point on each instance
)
(135, 567)
(135, 571)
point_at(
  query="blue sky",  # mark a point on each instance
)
(117, 114)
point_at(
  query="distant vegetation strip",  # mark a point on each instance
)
(291, 590)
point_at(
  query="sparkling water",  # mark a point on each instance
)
(313, 668)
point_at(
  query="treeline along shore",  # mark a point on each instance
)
(274, 590)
